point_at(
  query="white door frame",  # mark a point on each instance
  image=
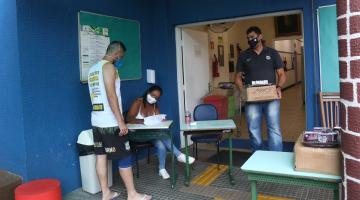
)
(179, 57)
(180, 79)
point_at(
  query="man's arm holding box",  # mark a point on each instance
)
(281, 80)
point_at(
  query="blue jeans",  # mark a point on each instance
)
(254, 114)
(161, 147)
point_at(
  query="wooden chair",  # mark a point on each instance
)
(330, 109)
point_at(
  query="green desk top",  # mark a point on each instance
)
(282, 164)
(208, 125)
(162, 125)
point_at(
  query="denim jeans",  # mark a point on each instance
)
(161, 147)
(254, 115)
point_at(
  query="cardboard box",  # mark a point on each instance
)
(8, 183)
(320, 160)
(261, 93)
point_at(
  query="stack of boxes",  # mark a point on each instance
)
(316, 159)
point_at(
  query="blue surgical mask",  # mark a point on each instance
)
(118, 63)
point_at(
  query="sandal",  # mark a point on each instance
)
(146, 197)
(115, 195)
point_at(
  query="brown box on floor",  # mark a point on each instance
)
(261, 93)
(320, 160)
(8, 183)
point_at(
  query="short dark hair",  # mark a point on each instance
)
(255, 29)
(115, 46)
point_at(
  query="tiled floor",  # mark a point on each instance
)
(292, 123)
(150, 183)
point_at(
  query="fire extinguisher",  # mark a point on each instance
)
(215, 66)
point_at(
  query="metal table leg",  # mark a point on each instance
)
(253, 190)
(187, 172)
(336, 194)
(231, 178)
(173, 173)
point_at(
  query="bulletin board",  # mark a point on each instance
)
(328, 49)
(97, 31)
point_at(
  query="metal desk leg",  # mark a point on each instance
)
(231, 178)
(173, 175)
(253, 190)
(336, 194)
(187, 172)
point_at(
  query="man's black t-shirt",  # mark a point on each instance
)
(259, 67)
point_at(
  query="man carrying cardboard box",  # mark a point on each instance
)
(261, 64)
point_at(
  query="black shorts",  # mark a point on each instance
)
(108, 141)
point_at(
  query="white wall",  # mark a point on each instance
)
(223, 70)
(285, 47)
(237, 35)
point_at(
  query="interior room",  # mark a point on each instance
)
(225, 40)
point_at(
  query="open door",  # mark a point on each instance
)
(193, 69)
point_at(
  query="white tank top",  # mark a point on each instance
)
(102, 115)
(139, 115)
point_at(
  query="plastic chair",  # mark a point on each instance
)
(329, 106)
(137, 146)
(206, 112)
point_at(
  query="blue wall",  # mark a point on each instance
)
(56, 104)
(49, 106)
(12, 147)
(318, 3)
(165, 64)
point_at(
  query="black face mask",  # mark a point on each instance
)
(253, 42)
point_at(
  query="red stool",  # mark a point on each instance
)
(42, 189)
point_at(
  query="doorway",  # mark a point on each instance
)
(202, 46)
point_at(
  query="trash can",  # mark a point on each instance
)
(87, 158)
(221, 104)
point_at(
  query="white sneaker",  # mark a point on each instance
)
(182, 158)
(163, 173)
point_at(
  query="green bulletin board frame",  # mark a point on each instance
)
(125, 30)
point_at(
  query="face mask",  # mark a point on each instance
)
(118, 63)
(150, 99)
(253, 42)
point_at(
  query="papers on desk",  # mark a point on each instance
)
(154, 119)
(162, 125)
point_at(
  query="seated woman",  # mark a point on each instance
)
(146, 106)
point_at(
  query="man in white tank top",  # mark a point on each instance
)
(109, 128)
